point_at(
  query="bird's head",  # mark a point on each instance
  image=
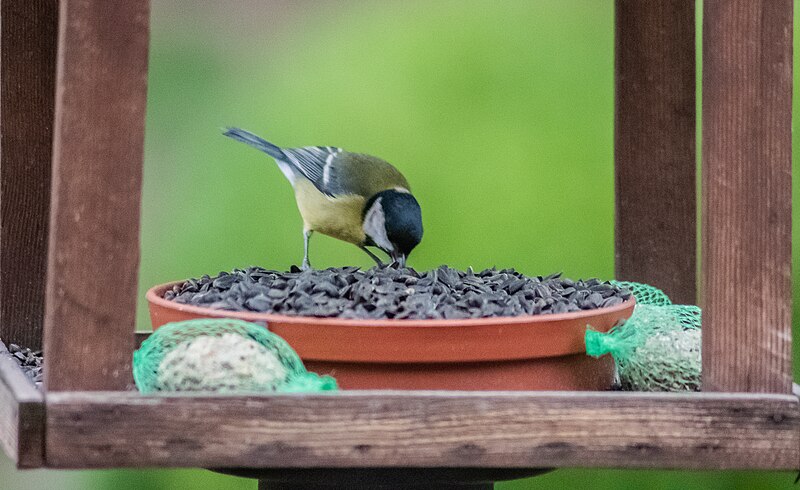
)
(393, 223)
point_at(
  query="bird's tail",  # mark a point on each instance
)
(255, 141)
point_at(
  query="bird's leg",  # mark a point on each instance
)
(306, 237)
(374, 257)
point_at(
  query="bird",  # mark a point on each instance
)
(357, 198)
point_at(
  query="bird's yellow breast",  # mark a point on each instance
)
(339, 217)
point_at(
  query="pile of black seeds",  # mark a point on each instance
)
(386, 292)
(31, 362)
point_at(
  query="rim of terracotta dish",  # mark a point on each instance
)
(155, 295)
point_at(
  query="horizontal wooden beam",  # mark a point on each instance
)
(424, 429)
(21, 415)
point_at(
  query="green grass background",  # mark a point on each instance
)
(499, 113)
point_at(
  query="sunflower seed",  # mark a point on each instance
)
(392, 292)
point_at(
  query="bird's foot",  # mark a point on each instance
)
(374, 257)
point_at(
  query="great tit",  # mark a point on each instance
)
(357, 198)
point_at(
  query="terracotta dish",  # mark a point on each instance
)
(539, 352)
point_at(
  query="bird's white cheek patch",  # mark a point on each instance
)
(375, 226)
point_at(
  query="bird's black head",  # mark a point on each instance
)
(393, 222)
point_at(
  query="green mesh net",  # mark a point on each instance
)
(224, 356)
(658, 348)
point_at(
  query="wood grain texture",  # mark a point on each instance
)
(97, 174)
(28, 32)
(425, 429)
(747, 203)
(21, 415)
(654, 146)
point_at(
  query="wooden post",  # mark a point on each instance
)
(28, 30)
(746, 225)
(654, 147)
(97, 171)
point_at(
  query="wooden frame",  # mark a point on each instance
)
(747, 195)
(27, 84)
(21, 415)
(654, 147)
(425, 429)
(86, 420)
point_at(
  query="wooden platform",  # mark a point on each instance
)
(383, 429)
(425, 429)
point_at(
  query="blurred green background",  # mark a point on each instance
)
(499, 113)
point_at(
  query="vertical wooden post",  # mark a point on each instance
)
(746, 225)
(28, 32)
(97, 171)
(654, 147)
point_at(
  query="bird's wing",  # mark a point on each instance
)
(336, 172)
(316, 163)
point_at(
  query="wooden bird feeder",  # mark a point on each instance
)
(72, 108)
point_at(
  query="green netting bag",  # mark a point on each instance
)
(224, 356)
(657, 349)
(645, 294)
